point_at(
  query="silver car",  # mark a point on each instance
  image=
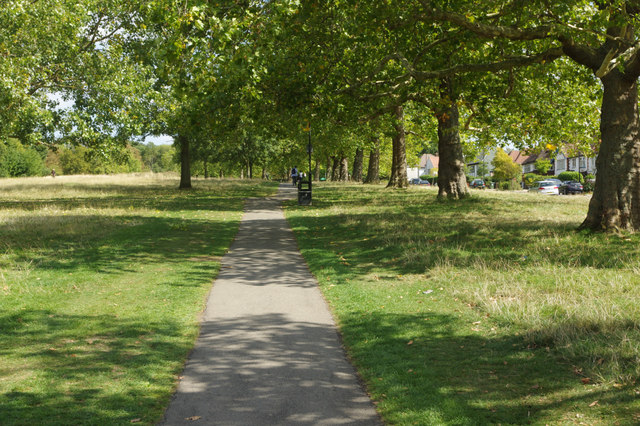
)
(545, 187)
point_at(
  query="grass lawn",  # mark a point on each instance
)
(102, 280)
(491, 310)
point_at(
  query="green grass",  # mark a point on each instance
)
(490, 310)
(102, 280)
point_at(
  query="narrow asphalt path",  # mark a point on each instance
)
(268, 351)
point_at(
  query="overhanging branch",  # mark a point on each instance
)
(485, 30)
(610, 62)
(518, 61)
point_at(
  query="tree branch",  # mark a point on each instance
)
(484, 30)
(610, 63)
(546, 56)
(581, 54)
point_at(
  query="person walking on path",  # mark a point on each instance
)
(294, 175)
(268, 351)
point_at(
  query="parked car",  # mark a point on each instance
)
(545, 187)
(571, 187)
(478, 183)
(417, 181)
(557, 181)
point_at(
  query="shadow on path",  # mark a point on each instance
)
(268, 351)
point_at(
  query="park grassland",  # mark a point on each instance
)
(489, 310)
(102, 280)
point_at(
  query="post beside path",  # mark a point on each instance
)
(268, 351)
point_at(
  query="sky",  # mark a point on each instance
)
(159, 140)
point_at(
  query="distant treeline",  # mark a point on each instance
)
(17, 159)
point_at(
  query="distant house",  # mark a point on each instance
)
(579, 163)
(518, 157)
(486, 159)
(529, 164)
(483, 161)
(427, 163)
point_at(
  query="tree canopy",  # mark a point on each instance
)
(234, 82)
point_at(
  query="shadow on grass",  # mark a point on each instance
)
(100, 369)
(445, 377)
(114, 245)
(413, 239)
(154, 201)
(204, 196)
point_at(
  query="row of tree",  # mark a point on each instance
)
(18, 160)
(235, 81)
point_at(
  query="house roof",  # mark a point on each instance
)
(535, 157)
(518, 157)
(434, 160)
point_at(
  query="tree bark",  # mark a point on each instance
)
(615, 203)
(185, 162)
(327, 171)
(316, 172)
(398, 177)
(356, 176)
(205, 163)
(344, 168)
(373, 170)
(452, 182)
(335, 168)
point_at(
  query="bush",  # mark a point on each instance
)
(564, 176)
(510, 185)
(589, 183)
(18, 160)
(80, 160)
(433, 180)
(530, 178)
(504, 167)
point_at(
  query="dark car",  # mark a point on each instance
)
(571, 187)
(419, 182)
(478, 183)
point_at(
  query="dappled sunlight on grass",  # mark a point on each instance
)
(102, 280)
(514, 264)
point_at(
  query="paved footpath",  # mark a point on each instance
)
(268, 351)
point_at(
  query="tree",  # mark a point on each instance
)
(18, 160)
(504, 168)
(603, 37)
(543, 165)
(373, 169)
(358, 163)
(52, 47)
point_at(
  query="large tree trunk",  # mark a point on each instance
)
(185, 162)
(398, 177)
(452, 182)
(615, 203)
(356, 176)
(335, 168)
(316, 171)
(344, 168)
(373, 170)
